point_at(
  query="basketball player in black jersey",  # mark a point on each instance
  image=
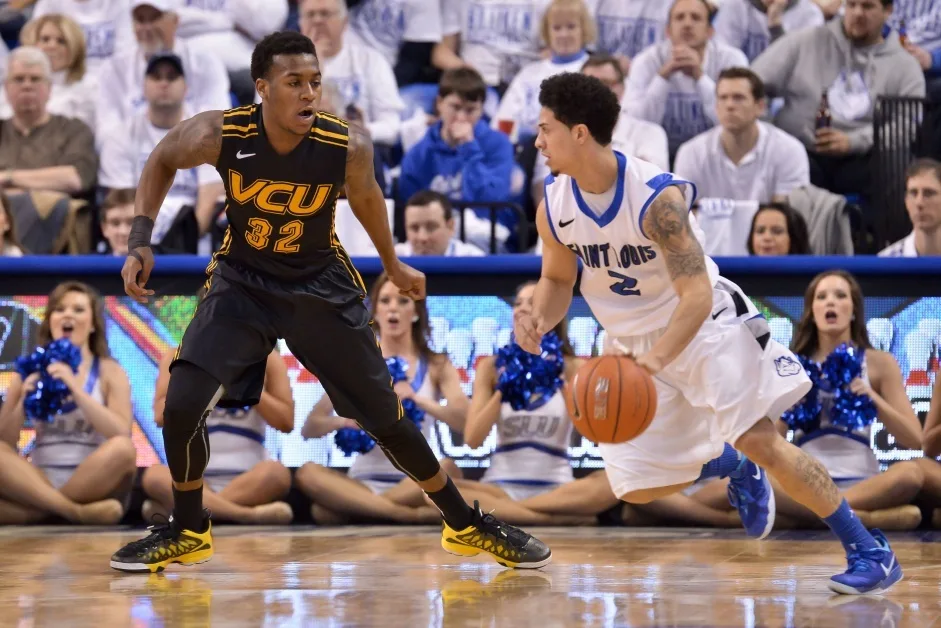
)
(282, 273)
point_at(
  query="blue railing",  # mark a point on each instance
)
(88, 265)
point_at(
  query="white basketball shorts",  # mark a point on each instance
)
(730, 376)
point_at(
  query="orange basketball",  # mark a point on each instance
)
(613, 399)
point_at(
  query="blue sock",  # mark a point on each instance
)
(847, 526)
(726, 463)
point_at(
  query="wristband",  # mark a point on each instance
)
(141, 229)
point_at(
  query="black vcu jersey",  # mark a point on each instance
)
(282, 273)
(281, 207)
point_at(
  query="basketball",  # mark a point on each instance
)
(613, 400)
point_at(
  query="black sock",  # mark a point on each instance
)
(188, 509)
(453, 508)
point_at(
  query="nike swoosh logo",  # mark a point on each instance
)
(716, 315)
(885, 569)
(566, 223)
(757, 475)
(239, 155)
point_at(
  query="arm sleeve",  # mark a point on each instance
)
(116, 168)
(486, 174)
(776, 63)
(647, 91)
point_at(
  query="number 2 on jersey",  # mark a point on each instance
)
(625, 286)
(261, 230)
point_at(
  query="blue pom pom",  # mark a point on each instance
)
(804, 416)
(350, 440)
(849, 410)
(528, 381)
(51, 396)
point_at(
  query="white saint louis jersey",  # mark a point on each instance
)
(624, 275)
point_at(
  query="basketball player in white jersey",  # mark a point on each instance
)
(719, 375)
(242, 484)
(374, 489)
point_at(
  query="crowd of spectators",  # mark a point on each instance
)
(768, 106)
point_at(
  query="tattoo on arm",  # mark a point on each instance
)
(193, 142)
(816, 478)
(667, 223)
(360, 168)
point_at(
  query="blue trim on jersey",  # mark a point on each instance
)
(835, 431)
(549, 181)
(92, 378)
(57, 466)
(238, 431)
(528, 444)
(421, 369)
(611, 213)
(659, 183)
(522, 482)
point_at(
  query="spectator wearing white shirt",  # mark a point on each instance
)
(751, 25)
(495, 37)
(568, 27)
(121, 80)
(126, 149)
(405, 32)
(363, 78)
(229, 29)
(74, 92)
(106, 23)
(673, 82)
(743, 158)
(430, 228)
(628, 27)
(923, 202)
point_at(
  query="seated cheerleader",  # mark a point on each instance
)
(374, 489)
(931, 446)
(83, 462)
(853, 385)
(241, 485)
(529, 480)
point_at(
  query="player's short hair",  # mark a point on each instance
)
(757, 85)
(921, 166)
(279, 43)
(579, 99)
(467, 83)
(425, 198)
(601, 59)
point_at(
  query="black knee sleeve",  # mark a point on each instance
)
(190, 396)
(405, 446)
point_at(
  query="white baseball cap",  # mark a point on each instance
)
(161, 5)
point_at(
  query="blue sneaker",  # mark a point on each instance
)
(870, 570)
(751, 494)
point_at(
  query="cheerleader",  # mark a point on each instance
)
(832, 333)
(374, 489)
(529, 480)
(240, 484)
(83, 462)
(931, 445)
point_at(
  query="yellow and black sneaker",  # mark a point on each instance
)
(167, 543)
(509, 546)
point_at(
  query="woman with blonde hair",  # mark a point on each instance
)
(73, 92)
(83, 460)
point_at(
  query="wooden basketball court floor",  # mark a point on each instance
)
(398, 576)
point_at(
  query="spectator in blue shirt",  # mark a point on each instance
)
(461, 156)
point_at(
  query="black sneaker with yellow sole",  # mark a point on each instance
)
(167, 543)
(509, 546)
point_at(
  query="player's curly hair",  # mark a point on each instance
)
(279, 43)
(579, 99)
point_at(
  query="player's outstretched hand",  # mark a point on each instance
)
(528, 332)
(136, 272)
(409, 281)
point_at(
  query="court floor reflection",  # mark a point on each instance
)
(385, 576)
